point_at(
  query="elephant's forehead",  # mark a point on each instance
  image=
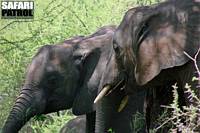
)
(56, 64)
(56, 60)
(59, 56)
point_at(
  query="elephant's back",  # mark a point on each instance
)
(76, 125)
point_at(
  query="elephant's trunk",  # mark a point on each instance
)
(25, 107)
(107, 115)
(104, 112)
(100, 123)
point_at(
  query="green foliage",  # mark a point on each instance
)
(110, 130)
(54, 21)
(138, 122)
(50, 123)
(53, 126)
(184, 119)
(39, 117)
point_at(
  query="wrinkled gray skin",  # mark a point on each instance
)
(107, 115)
(63, 76)
(150, 42)
(76, 125)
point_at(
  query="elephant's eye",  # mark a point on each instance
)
(115, 46)
(53, 80)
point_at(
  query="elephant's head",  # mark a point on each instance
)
(120, 67)
(60, 77)
(151, 39)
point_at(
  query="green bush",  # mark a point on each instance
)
(185, 119)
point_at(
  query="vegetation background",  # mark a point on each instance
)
(54, 21)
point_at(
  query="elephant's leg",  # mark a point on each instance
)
(90, 122)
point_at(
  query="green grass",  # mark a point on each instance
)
(51, 123)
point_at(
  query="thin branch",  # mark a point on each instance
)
(84, 25)
(16, 43)
(49, 5)
(16, 21)
(5, 41)
(195, 61)
(165, 122)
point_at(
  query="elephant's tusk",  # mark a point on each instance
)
(123, 103)
(102, 93)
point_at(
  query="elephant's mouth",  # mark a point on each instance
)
(109, 88)
(120, 85)
(54, 105)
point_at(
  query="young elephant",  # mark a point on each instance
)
(76, 125)
(150, 42)
(63, 76)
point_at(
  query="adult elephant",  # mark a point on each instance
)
(63, 76)
(110, 113)
(150, 42)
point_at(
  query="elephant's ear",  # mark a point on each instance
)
(163, 45)
(87, 92)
